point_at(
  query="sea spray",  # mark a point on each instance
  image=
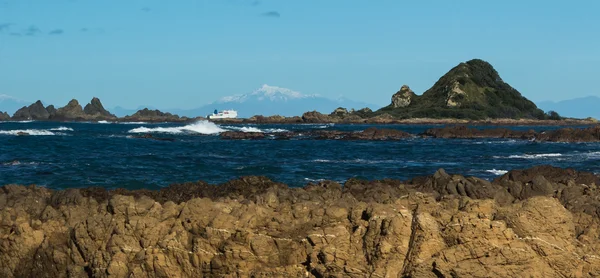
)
(33, 132)
(201, 127)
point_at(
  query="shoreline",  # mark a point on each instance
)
(522, 222)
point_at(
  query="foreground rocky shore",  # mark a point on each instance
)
(540, 222)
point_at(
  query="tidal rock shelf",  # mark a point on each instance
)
(539, 222)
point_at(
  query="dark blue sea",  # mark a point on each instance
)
(63, 155)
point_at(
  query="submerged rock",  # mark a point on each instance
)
(240, 135)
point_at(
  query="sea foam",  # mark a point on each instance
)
(536, 156)
(62, 128)
(497, 172)
(33, 132)
(202, 127)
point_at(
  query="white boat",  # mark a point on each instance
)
(225, 114)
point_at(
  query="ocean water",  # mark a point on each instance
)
(63, 155)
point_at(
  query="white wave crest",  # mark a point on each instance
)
(202, 127)
(536, 156)
(254, 129)
(62, 128)
(103, 122)
(133, 123)
(497, 172)
(33, 132)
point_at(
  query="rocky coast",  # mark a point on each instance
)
(539, 222)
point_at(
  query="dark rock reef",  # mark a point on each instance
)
(147, 115)
(570, 135)
(541, 222)
(372, 133)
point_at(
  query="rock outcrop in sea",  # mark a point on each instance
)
(4, 116)
(540, 222)
(147, 115)
(71, 112)
(96, 109)
(35, 111)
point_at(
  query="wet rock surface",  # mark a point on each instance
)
(540, 222)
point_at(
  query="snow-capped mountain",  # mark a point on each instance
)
(266, 92)
(11, 104)
(271, 100)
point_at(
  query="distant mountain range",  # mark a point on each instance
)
(576, 108)
(266, 100)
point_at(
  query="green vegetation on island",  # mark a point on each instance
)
(471, 90)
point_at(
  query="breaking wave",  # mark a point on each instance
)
(254, 129)
(103, 122)
(536, 156)
(62, 128)
(33, 132)
(531, 156)
(202, 127)
(133, 123)
(497, 172)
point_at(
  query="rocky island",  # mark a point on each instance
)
(539, 222)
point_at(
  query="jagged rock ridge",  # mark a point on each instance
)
(72, 111)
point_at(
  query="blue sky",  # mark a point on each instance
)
(184, 53)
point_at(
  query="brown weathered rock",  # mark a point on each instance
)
(255, 227)
(72, 111)
(316, 117)
(403, 97)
